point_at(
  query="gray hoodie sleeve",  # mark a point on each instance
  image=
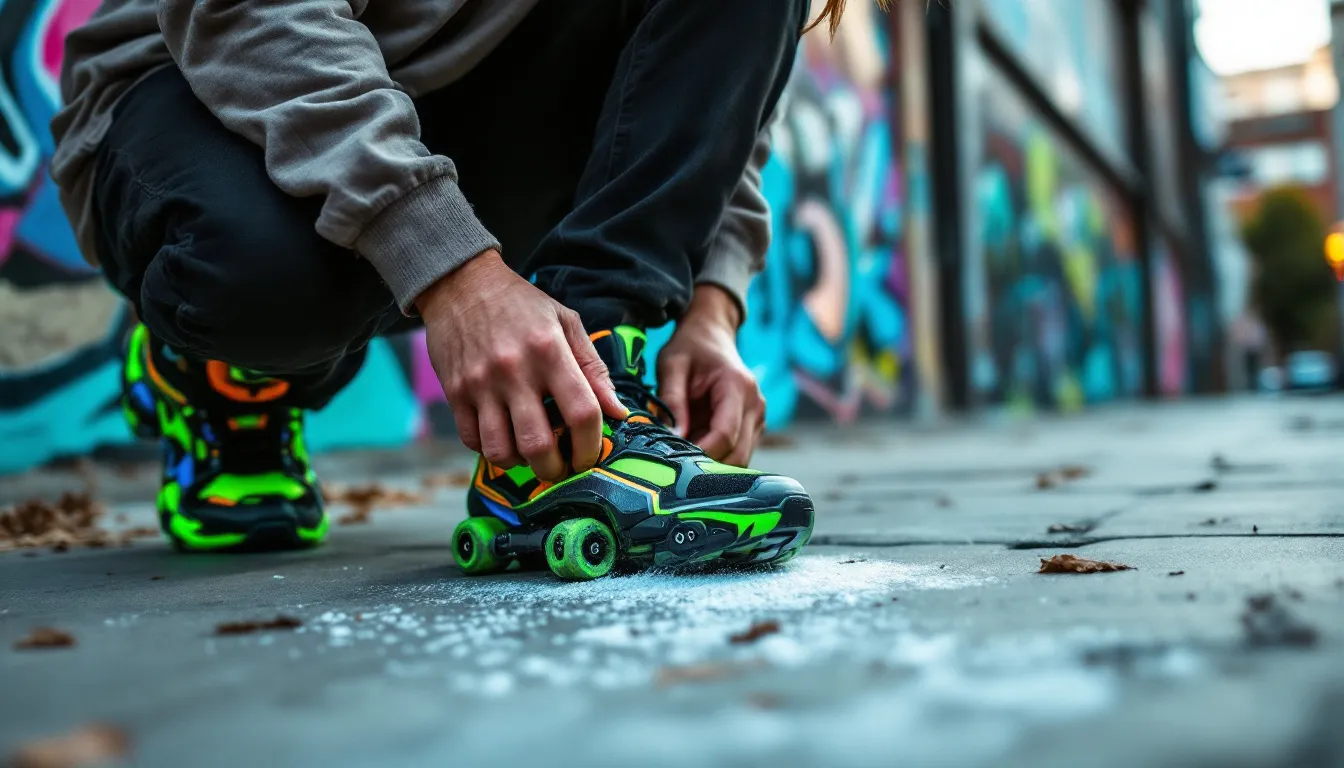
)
(737, 252)
(306, 81)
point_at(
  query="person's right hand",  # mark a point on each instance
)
(500, 346)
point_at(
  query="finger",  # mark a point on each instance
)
(533, 438)
(593, 369)
(465, 419)
(725, 423)
(578, 407)
(497, 435)
(753, 422)
(673, 372)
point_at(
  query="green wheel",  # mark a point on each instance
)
(473, 548)
(580, 549)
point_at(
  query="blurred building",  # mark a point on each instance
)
(1282, 131)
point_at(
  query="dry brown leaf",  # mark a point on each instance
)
(87, 745)
(458, 479)
(356, 516)
(1045, 481)
(43, 638)
(755, 632)
(248, 627)
(699, 673)
(1074, 564)
(71, 521)
(1073, 471)
(370, 495)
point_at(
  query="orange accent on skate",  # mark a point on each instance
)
(542, 485)
(221, 501)
(217, 373)
(261, 420)
(487, 491)
(495, 472)
(606, 449)
(640, 419)
(599, 335)
(159, 381)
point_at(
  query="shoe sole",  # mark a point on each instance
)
(271, 528)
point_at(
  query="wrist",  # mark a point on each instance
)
(440, 292)
(715, 304)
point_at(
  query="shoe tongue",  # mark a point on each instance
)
(622, 349)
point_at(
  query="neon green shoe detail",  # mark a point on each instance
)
(660, 475)
(240, 488)
(664, 501)
(230, 479)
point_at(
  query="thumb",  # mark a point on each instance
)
(594, 370)
(673, 372)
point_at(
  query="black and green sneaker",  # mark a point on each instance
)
(654, 499)
(236, 474)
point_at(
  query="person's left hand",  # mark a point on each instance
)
(712, 395)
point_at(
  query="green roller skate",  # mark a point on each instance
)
(653, 500)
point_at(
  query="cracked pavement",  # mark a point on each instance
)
(913, 630)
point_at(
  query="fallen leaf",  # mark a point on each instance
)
(1176, 573)
(698, 673)
(71, 521)
(44, 638)
(1069, 528)
(248, 627)
(458, 479)
(1045, 482)
(1255, 529)
(356, 516)
(370, 495)
(1207, 485)
(755, 632)
(1073, 472)
(1073, 564)
(1209, 521)
(775, 440)
(1268, 623)
(156, 578)
(87, 745)
(852, 561)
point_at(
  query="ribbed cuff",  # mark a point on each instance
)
(730, 267)
(428, 233)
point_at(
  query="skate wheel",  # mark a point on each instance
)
(580, 549)
(473, 548)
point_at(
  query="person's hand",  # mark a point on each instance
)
(499, 347)
(711, 393)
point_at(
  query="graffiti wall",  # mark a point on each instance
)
(1054, 299)
(1169, 321)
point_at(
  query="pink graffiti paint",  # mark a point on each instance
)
(9, 221)
(423, 379)
(65, 19)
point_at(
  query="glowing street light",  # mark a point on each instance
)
(1334, 253)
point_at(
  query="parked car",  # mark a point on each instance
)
(1311, 370)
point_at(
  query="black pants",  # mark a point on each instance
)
(599, 143)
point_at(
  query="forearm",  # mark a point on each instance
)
(306, 81)
(738, 250)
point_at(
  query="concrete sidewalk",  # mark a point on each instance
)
(914, 631)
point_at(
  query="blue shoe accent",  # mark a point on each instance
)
(500, 511)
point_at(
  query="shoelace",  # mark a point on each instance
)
(636, 397)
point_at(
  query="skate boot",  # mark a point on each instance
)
(653, 499)
(235, 469)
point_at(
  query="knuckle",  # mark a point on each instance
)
(587, 413)
(534, 446)
(506, 359)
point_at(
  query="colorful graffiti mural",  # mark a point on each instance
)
(1055, 297)
(1169, 321)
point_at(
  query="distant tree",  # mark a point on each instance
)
(1293, 288)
